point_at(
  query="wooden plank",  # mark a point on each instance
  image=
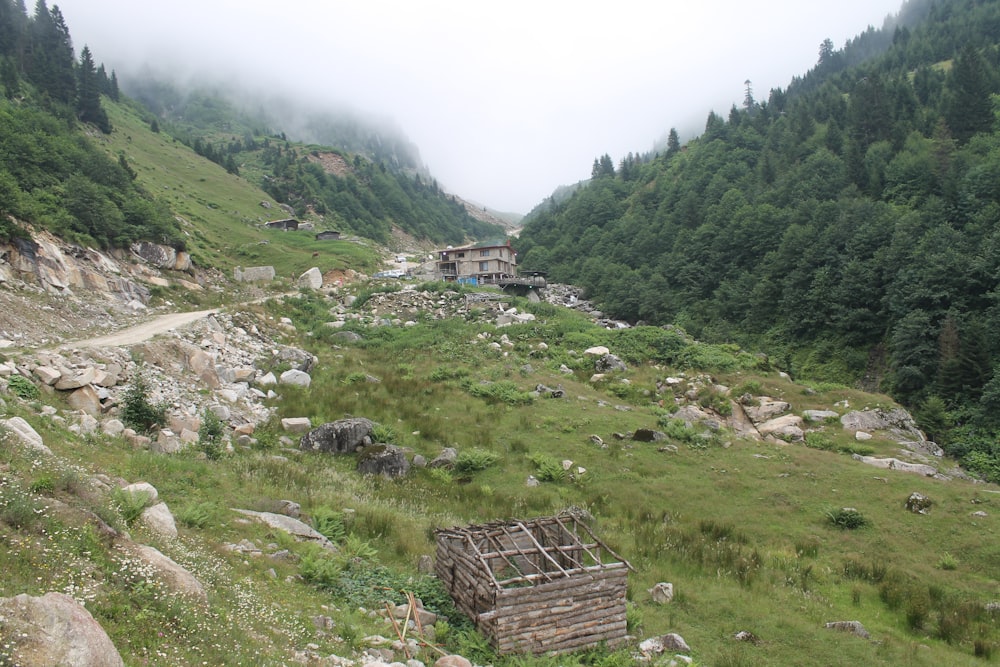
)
(590, 634)
(588, 579)
(539, 546)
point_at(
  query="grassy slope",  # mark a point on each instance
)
(738, 527)
(221, 212)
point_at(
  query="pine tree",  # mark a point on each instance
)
(971, 109)
(88, 102)
(673, 142)
(49, 61)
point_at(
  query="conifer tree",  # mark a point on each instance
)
(971, 110)
(88, 101)
(49, 60)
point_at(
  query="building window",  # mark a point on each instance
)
(484, 266)
(484, 253)
(461, 254)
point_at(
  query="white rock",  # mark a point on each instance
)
(152, 495)
(296, 424)
(159, 519)
(295, 377)
(598, 351)
(28, 436)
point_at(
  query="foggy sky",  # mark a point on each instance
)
(506, 100)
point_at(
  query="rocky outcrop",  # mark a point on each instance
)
(298, 530)
(343, 436)
(173, 576)
(896, 422)
(161, 256)
(253, 274)
(54, 629)
(385, 460)
(63, 268)
(26, 435)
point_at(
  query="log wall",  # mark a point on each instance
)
(559, 616)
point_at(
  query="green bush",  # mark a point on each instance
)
(137, 411)
(501, 392)
(22, 387)
(329, 523)
(196, 516)
(130, 505)
(547, 468)
(847, 518)
(474, 460)
(210, 435)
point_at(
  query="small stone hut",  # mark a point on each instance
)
(546, 585)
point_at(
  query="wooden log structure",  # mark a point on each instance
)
(547, 585)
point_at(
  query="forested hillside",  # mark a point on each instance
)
(56, 175)
(50, 175)
(849, 225)
(359, 177)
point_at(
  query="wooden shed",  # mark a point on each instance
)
(546, 585)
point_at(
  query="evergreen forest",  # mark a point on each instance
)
(55, 174)
(846, 225)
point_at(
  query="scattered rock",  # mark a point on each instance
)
(382, 459)
(446, 459)
(54, 629)
(159, 519)
(28, 436)
(918, 503)
(298, 530)
(853, 627)
(896, 464)
(173, 575)
(648, 435)
(343, 436)
(296, 424)
(662, 593)
(295, 377)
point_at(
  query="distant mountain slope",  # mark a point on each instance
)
(853, 223)
(379, 182)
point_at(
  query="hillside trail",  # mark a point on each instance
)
(141, 332)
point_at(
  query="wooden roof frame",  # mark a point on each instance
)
(485, 544)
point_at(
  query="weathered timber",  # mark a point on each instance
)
(536, 586)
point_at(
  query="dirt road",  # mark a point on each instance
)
(142, 332)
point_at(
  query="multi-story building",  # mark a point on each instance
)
(482, 263)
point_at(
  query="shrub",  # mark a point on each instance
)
(383, 433)
(210, 435)
(474, 460)
(847, 518)
(948, 562)
(547, 469)
(22, 387)
(196, 516)
(330, 524)
(501, 392)
(130, 505)
(137, 411)
(17, 508)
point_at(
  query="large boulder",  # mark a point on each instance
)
(343, 436)
(385, 460)
(54, 629)
(897, 421)
(28, 436)
(299, 531)
(175, 577)
(608, 363)
(765, 410)
(295, 377)
(311, 279)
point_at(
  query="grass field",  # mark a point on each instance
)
(741, 528)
